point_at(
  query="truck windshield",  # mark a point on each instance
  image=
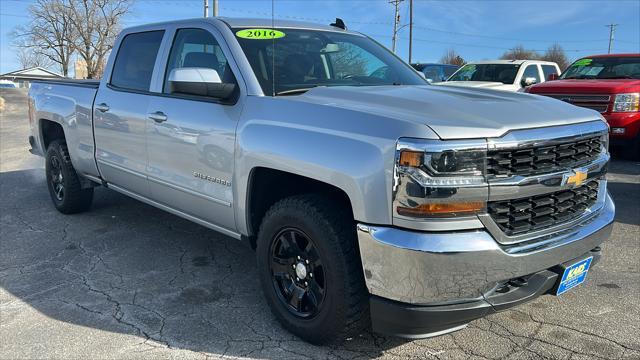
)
(604, 68)
(296, 60)
(504, 73)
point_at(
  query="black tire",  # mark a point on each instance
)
(344, 309)
(65, 189)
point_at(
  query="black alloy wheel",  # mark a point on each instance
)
(310, 269)
(56, 177)
(297, 273)
(66, 190)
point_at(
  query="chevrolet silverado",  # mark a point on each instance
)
(371, 198)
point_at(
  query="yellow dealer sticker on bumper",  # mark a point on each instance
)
(259, 34)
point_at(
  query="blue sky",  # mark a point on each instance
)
(477, 30)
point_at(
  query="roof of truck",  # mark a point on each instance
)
(268, 23)
(516, 62)
(245, 23)
(613, 55)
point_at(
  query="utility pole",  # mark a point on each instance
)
(215, 7)
(206, 8)
(612, 30)
(410, 28)
(396, 20)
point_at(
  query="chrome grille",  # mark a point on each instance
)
(598, 103)
(543, 159)
(519, 216)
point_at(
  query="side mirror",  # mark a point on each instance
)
(528, 81)
(199, 81)
(553, 76)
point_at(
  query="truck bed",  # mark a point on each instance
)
(69, 103)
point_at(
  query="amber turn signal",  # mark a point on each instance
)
(442, 209)
(411, 158)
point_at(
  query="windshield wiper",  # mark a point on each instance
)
(294, 91)
(618, 77)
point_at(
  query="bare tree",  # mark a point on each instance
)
(29, 58)
(49, 34)
(97, 23)
(453, 58)
(556, 54)
(520, 53)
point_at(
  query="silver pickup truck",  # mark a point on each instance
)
(370, 197)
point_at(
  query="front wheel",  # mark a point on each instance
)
(310, 271)
(65, 189)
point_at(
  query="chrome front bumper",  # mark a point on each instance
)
(434, 268)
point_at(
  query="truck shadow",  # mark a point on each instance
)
(129, 268)
(626, 197)
(624, 186)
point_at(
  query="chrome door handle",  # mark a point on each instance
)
(102, 107)
(157, 116)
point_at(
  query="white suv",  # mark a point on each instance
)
(507, 75)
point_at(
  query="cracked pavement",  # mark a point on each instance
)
(126, 280)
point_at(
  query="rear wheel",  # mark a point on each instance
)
(310, 269)
(65, 189)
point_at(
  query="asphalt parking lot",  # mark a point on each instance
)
(126, 280)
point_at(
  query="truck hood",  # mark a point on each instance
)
(578, 86)
(452, 112)
(496, 85)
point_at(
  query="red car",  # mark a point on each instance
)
(609, 84)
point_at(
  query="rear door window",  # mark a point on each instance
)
(133, 67)
(531, 71)
(548, 70)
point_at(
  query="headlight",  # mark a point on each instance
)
(435, 179)
(626, 102)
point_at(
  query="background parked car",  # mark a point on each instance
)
(435, 73)
(508, 75)
(609, 84)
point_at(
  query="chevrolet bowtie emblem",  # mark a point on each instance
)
(575, 178)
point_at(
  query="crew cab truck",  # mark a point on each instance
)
(507, 75)
(609, 84)
(371, 197)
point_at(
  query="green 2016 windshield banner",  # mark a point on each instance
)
(259, 34)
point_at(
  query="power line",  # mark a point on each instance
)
(498, 37)
(322, 20)
(479, 45)
(427, 28)
(14, 15)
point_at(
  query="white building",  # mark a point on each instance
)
(22, 78)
